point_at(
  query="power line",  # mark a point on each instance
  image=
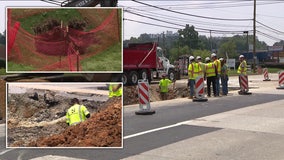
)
(270, 28)
(183, 19)
(152, 24)
(203, 29)
(268, 36)
(204, 17)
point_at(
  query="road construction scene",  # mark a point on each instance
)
(202, 80)
(64, 115)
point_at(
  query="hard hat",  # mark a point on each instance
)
(191, 58)
(221, 59)
(198, 57)
(242, 56)
(213, 55)
(207, 59)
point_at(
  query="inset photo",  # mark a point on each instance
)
(70, 115)
(42, 40)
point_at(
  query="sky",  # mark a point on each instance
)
(270, 17)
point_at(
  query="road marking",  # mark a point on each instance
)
(155, 130)
(7, 150)
(198, 121)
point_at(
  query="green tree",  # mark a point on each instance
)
(228, 47)
(188, 37)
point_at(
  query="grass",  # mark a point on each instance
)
(59, 14)
(108, 60)
(19, 67)
(2, 71)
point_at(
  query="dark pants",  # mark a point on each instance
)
(164, 95)
(217, 84)
(224, 81)
(209, 81)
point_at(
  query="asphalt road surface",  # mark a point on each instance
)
(230, 127)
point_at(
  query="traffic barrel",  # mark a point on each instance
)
(199, 90)
(281, 80)
(265, 74)
(243, 80)
(144, 98)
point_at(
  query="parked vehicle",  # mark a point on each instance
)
(145, 61)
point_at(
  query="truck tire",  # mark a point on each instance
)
(124, 78)
(143, 74)
(133, 77)
(171, 74)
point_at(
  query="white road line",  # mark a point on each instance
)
(155, 130)
(7, 150)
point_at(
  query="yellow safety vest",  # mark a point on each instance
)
(210, 69)
(202, 65)
(217, 63)
(194, 70)
(164, 83)
(112, 93)
(76, 114)
(243, 68)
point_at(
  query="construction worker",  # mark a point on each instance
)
(242, 70)
(218, 66)
(210, 74)
(164, 87)
(115, 90)
(194, 71)
(76, 113)
(202, 65)
(224, 76)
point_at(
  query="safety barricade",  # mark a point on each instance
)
(199, 90)
(281, 80)
(265, 74)
(144, 98)
(243, 80)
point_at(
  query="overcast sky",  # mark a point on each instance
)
(269, 14)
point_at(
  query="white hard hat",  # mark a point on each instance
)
(213, 55)
(198, 57)
(191, 58)
(207, 59)
(221, 59)
(242, 56)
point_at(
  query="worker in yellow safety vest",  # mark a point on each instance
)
(76, 113)
(210, 74)
(194, 70)
(217, 63)
(115, 90)
(202, 65)
(164, 87)
(242, 69)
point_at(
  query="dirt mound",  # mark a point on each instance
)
(31, 115)
(103, 129)
(130, 93)
(2, 99)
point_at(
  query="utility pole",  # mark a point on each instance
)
(247, 42)
(210, 41)
(254, 36)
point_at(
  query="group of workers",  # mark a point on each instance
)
(213, 70)
(78, 113)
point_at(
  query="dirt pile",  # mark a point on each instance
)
(130, 93)
(102, 129)
(2, 99)
(30, 118)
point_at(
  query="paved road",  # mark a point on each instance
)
(231, 127)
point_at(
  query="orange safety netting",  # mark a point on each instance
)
(61, 48)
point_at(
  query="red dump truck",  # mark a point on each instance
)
(145, 61)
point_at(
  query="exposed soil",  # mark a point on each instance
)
(32, 116)
(130, 93)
